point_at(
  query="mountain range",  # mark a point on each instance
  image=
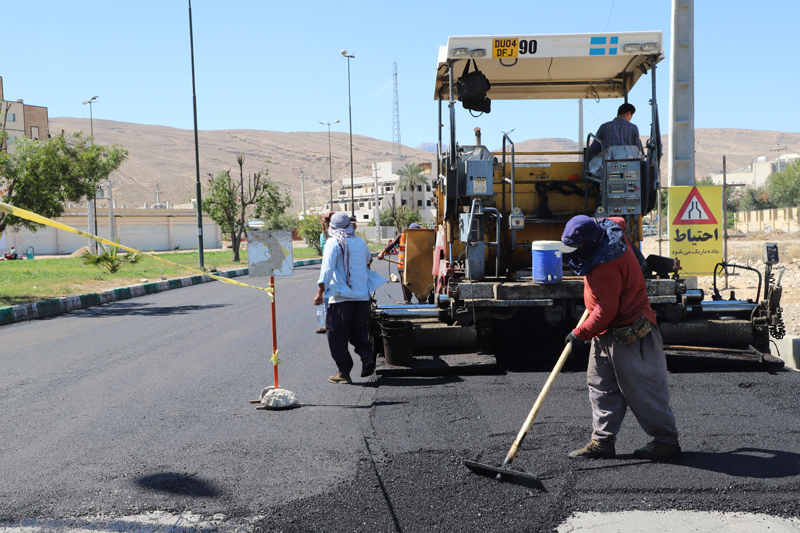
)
(161, 162)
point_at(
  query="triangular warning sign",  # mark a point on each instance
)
(694, 211)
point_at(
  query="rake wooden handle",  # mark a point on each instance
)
(540, 400)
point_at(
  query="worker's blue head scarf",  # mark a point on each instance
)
(609, 246)
(341, 230)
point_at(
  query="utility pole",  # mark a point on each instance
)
(112, 230)
(303, 191)
(778, 164)
(377, 203)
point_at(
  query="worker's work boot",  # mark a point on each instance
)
(367, 366)
(658, 450)
(339, 378)
(595, 450)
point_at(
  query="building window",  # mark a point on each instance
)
(419, 203)
(389, 189)
(428, 188)
(366, 217)
(429, 203)
(419, 188)
(360, 204)
(342, 193)
(11, 117)
(35, 133)
(403, 202)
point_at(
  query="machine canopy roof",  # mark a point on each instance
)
(596, 65)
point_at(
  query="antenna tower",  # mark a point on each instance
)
(396, 123)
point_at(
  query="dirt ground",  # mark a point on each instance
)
(746, 250)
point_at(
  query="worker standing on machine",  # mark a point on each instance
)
(618, 132)
(399, 242)
(627, 366)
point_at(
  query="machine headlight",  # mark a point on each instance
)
(477, 52)
(630, 48)
(460, 52)
(649, 47)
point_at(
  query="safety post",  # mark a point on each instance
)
(274, 333)
(269, 254)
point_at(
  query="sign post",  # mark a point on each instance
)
(270, 254)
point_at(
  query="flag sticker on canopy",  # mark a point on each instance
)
(694, 211)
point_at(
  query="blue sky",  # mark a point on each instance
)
(277, 65)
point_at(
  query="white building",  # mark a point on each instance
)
(387, 179)
(757, 173)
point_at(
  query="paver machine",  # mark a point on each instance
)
(500, 211)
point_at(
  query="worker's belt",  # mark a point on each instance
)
(629, 334)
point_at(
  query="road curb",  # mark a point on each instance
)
(60, 306)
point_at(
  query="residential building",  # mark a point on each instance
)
(757, 173)
(387, 180)
(22, 120)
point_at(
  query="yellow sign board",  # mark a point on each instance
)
(695, 228)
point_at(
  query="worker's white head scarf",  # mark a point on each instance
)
(341, 230)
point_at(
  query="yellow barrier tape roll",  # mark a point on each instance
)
(33, 217)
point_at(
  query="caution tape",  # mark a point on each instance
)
(33, 217)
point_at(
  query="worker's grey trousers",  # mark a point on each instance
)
(632, 376)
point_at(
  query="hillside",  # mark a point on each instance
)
(164, 157)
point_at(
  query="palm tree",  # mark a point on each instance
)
(411, 176)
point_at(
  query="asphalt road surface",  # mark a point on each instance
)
(140, 409)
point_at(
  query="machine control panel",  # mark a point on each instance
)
(475, 178)
(622, 194)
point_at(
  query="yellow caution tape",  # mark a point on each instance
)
(274, 359)
(29, 215)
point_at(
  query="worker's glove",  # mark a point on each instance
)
(574, 342)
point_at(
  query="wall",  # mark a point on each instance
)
(787, 220)
(36, 116)
(143, 229)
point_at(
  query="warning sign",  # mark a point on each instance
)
(694, 211)
(695, 230)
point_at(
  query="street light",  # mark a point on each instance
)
(350, 113)
(91, 119)
(330, 163)
(198, 188)
(94, 200)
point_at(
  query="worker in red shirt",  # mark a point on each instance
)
(627, 367)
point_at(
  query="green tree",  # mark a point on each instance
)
(229, 201)
(43, 176)
(411, 176)
(387, 219)
(755, 199)
(110, 259)
(784, 186)
(310, 227)
(406, 216)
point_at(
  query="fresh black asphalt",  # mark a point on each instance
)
(143, 405)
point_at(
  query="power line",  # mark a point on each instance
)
(396, 122)
(609, 15)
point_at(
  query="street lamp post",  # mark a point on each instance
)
(330, 162)
(350, 113)
(198, 189)
(93, 203)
